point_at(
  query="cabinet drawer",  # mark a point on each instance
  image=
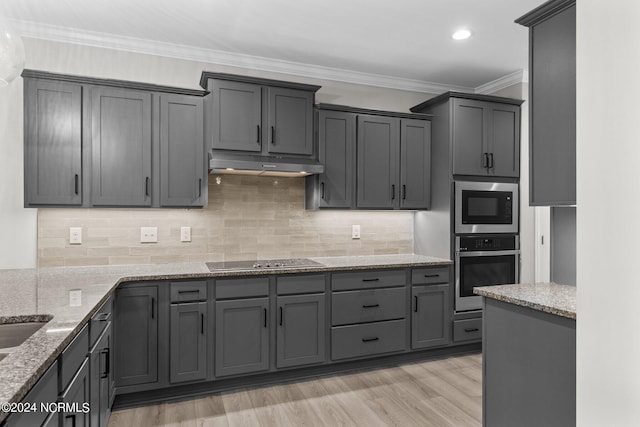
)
(241, 288)
(367, 279)
(188, 291)
(73, 356)
(467, 330)
(287, 285)
(99, 321)
(427, 276)
(368, 339)
(368, 305)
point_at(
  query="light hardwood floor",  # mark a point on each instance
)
(443, 392)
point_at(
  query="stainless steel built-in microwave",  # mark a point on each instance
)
(486, 207)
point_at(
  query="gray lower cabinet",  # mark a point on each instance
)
(300, 337)
(121, 147)
(77, 394)
(337, 151)
(242, 336)
(188, 339)
(53, 143)
(430, 317)
(552, 110)
(45, 391)
(183, 179)
(377, 164)
(102, 384)
(136, 335)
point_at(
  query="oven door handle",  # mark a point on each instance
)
(487, 253)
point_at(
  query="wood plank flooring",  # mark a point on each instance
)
(443, 392)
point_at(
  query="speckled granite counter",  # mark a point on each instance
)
(43, 294)
(547, 297)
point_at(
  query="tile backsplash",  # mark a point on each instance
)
(247, 217)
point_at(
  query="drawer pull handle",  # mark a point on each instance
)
(431, 275)
(370, 339)
(103, 317)
(189, 291)
(471, 329)
(370, 305)
(377, 279)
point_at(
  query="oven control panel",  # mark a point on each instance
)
(488, 243)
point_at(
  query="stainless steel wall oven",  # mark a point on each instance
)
(484, 260)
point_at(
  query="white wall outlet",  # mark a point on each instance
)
(355, 231)
(185, 234)
(75, 235)
(148, 234)
(75, 298)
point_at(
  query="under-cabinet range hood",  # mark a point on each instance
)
(243, 164)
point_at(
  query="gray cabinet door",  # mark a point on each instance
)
(182, 166)
(77, 393)
(430, 323)
(470, 133)
(53, 143)
(242, 336)
(377, 162)
(415, 164)
(337, 147)
(237, 116)
(504, 140)
(552, 142)
(188, 342)
(301, 332)
(101, 379)
(136, 335)
(121, 147)
(290, 122)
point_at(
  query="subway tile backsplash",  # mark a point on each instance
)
(248, 217)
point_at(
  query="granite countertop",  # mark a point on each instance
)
(551, 298)
(43, 295)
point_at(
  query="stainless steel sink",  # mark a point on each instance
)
(14, 334)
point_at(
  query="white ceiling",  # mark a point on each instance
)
(403, 43)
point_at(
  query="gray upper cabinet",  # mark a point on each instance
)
(481, 131)
(242, 336)
(301, 335)
(236, 116)
(415, 164)
(53, 143)
(136, 335)
(337, 149)
(110, 143)
(290, 121)
(486, 138)
(183, 179)
(378, 147)
(259, 116)
(188, 359)
(121, 147)
(552, 113)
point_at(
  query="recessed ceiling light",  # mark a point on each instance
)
(461, 34)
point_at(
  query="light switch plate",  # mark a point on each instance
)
(75, 298)
(148, 234)
(75, 235)
(355, 231)
(185, 234)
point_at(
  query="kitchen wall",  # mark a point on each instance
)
(247, 217)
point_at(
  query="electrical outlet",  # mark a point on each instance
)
(148, 234)
(75, 298)
(185, 234)
(355, 231)
(75, 235)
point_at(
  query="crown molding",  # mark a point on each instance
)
(171, 50)
(501, 83)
